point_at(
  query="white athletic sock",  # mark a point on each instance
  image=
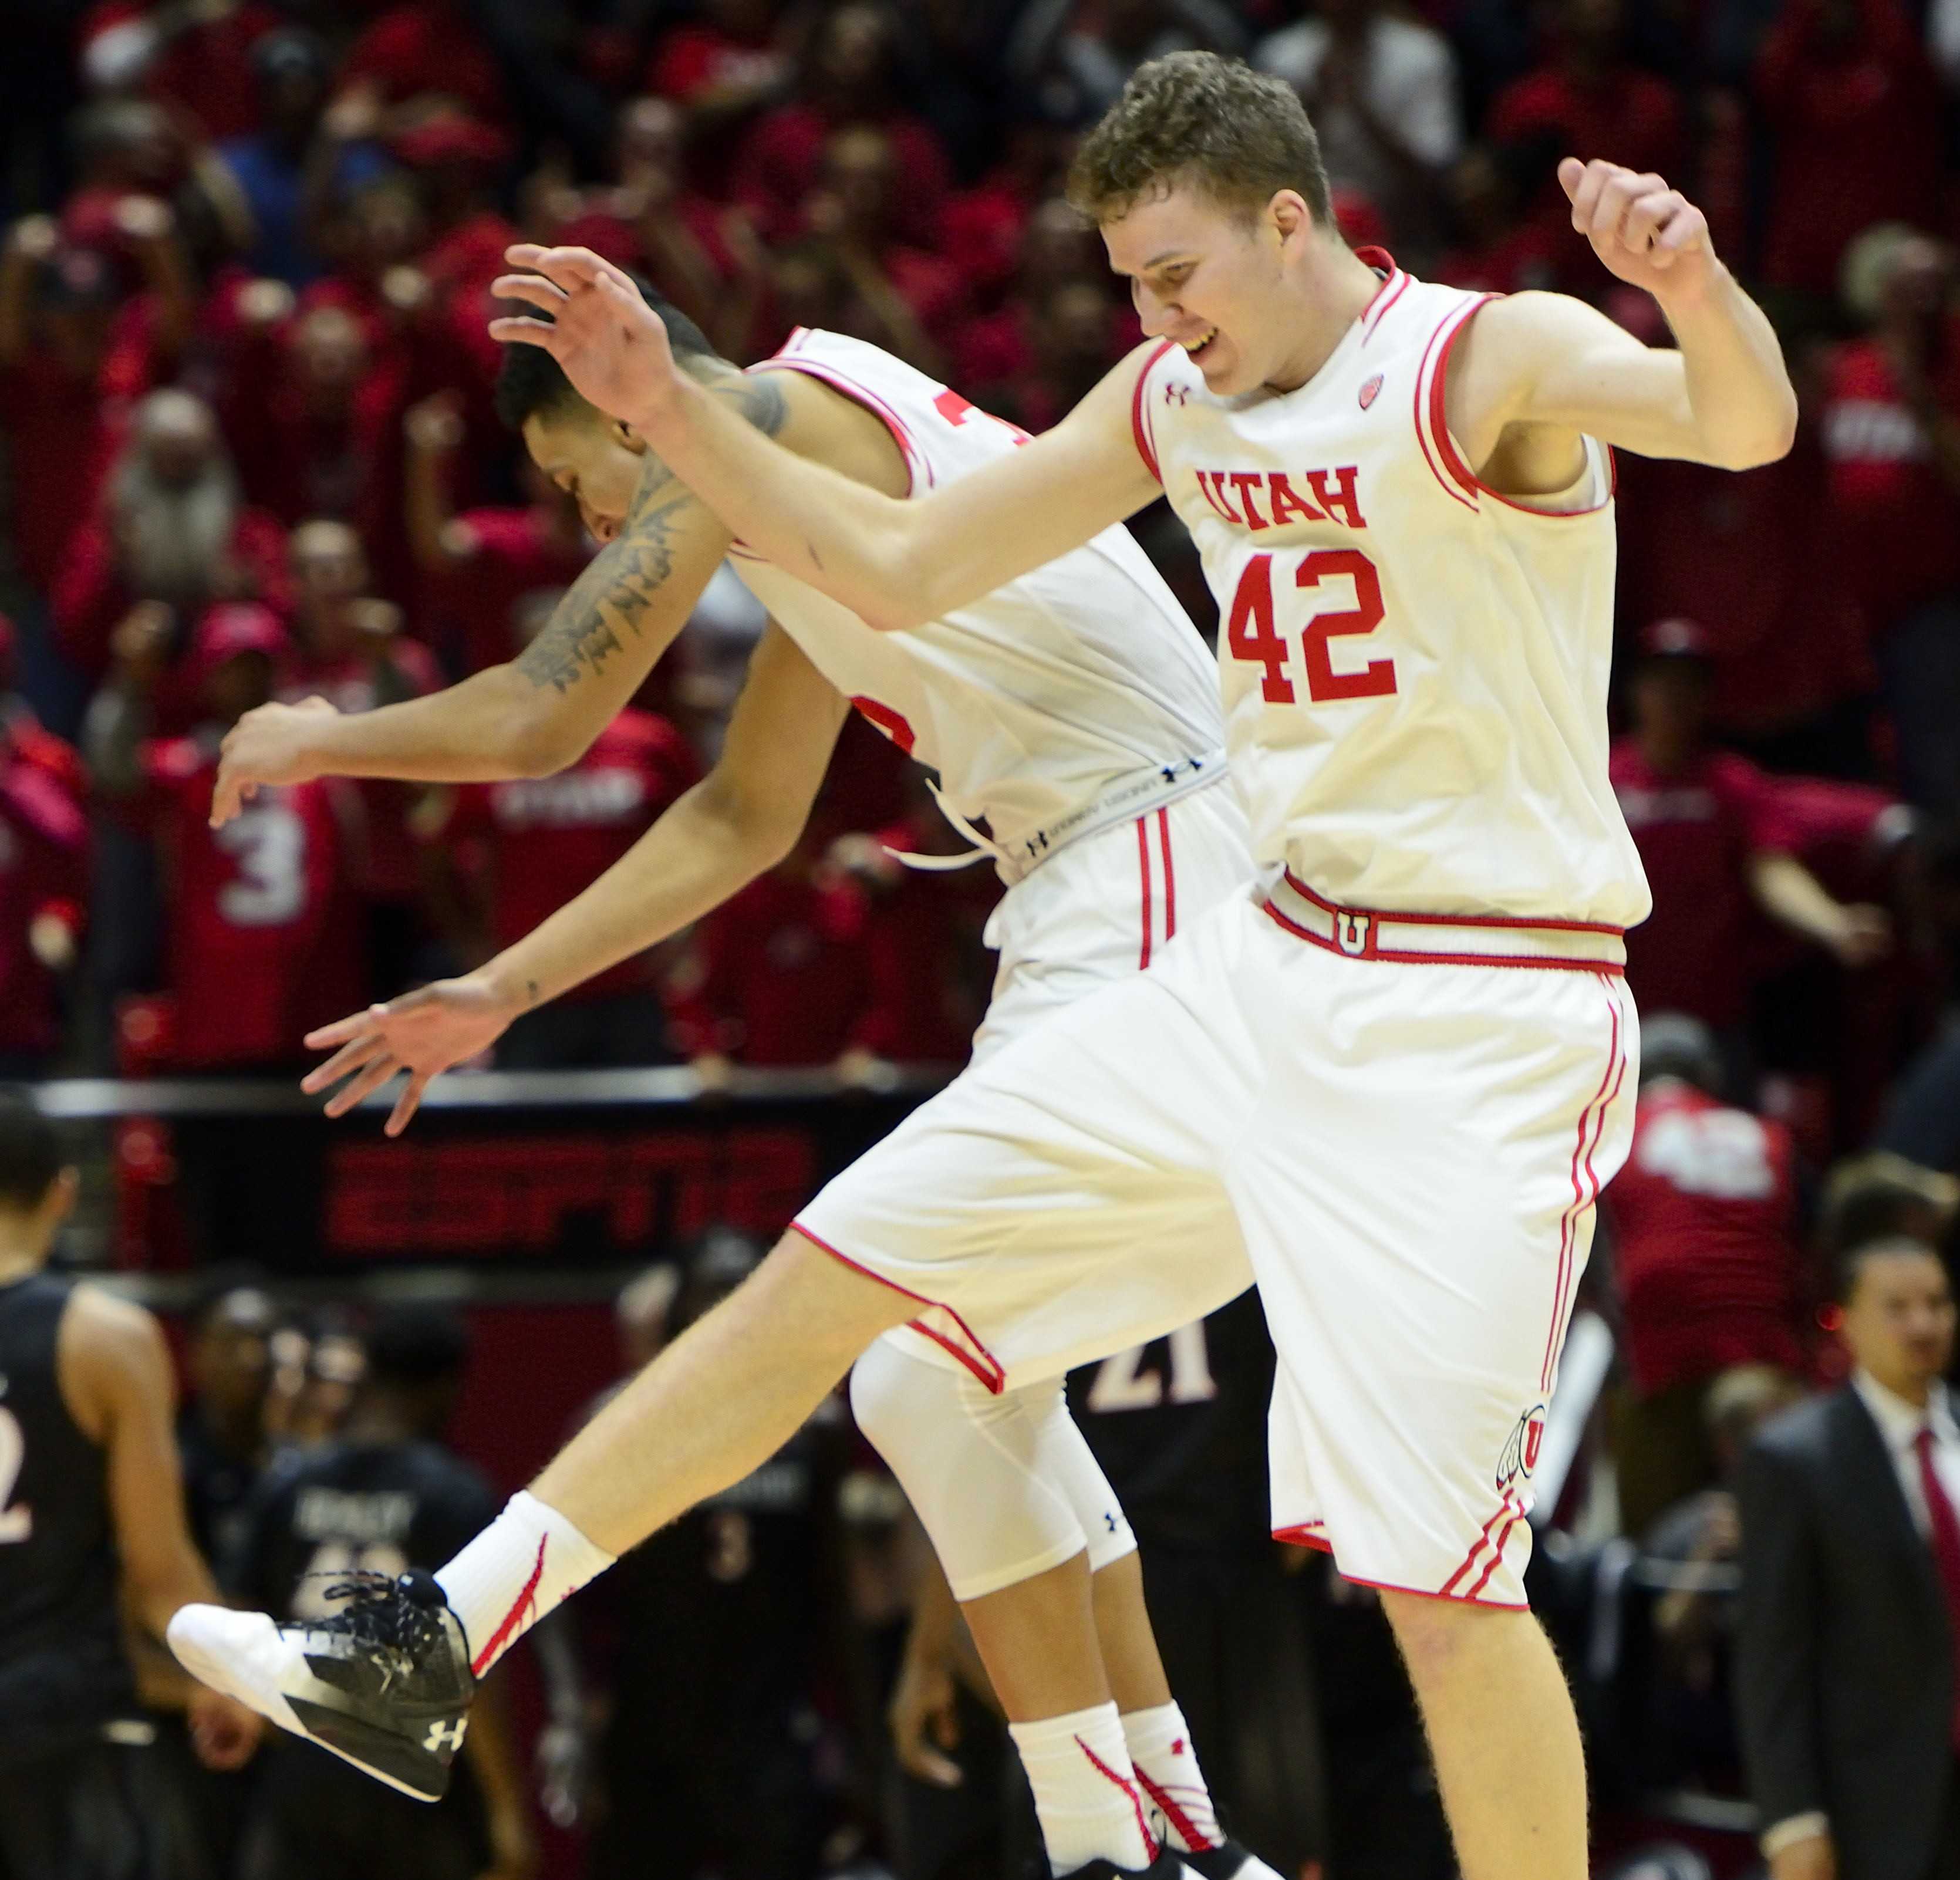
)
(1167, 1772)
(513, 1572)
(1086, 1793)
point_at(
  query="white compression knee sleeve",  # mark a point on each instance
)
(1066, 1460)
(996, 1483)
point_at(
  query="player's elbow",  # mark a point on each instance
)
(1767, 441)
(539, 737)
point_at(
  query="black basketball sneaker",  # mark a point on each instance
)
(384, 1682)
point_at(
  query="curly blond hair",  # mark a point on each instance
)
(1195, 118)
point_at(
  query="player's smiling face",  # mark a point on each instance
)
(1211, 277)
(595, 461)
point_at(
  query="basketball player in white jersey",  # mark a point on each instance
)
(1402, 1068)
(1076, 711)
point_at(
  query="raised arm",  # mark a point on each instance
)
(896, 563)
(530, 717)
(740, 819)
(1722, 396)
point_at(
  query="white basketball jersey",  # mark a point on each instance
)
(1037, 703)
(1415, 667)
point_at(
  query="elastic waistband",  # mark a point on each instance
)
(1019, 856)
(1445, 940)
(1135, 796)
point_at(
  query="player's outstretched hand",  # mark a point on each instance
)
(223, 1732)
(267, 746)
(424, 1032)
(612, 344)
(1646, 233)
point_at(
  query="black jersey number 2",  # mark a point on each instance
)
(17, 1520)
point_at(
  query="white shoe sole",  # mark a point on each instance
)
(242, 1655)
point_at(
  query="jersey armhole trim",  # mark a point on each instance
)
(914, 459)
(1447, 333)
(1140, 422)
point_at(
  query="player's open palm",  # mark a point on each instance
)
(267, 746)
(612, 345)
(1648, 234)
(424, 1032)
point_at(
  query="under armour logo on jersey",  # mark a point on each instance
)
(1114, 1522)
(1176, 394)
(1368, 391)
(1352, 931)
(445, 1734)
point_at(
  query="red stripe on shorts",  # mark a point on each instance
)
(1144, 869)
(1593, 1117)
(986, 1367)
(1170, 878)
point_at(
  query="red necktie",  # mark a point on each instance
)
(1945, 1536)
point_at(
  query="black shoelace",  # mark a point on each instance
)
(377, 1612)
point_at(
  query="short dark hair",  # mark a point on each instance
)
(413, 1347)
(30, 1154)
(1849, 1265)
(1239, 136)
(531, 382)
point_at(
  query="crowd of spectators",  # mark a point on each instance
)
(251, 453)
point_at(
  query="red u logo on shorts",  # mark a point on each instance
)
(1351, 930)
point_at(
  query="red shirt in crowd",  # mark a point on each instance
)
(1704, 1250)
(206, 68)
(1627, 111)
(1899, 516)
(43, 871)
(1695, 832)
(547, 839)
(90, 598)
(1758, 559)
(388, 869)
(1857, 135)
(261, 942)
(779, 975)
(918, 928)
(780, 162)
(59, 444)
(505, 554)
(426, 47)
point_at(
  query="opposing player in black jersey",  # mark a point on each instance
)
(385, 1496)
(91, 1514)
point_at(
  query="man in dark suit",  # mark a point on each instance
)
(1846, 1684)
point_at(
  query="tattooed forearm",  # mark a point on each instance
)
(606, 609)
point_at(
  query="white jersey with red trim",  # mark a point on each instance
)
(1075, 696)
(1415, 667)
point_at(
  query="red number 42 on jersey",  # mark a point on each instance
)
(1251, 633)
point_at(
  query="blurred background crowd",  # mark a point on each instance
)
(250, 452)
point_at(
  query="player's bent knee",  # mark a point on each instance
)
(971, 1464)
(1437, 1637)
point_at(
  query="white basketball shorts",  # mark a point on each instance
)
(1405, 1128)
(1098, 912)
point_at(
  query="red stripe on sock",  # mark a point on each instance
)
(1195, 1839)
(1129, 1788)
(512, 1619)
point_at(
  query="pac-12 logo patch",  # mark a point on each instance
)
(1368, 391)
(1521, 1447)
